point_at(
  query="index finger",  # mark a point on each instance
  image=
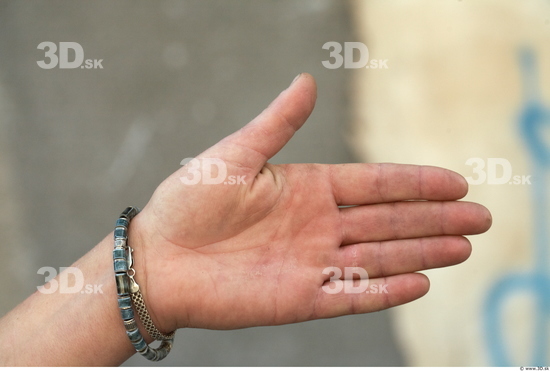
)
(360, 184)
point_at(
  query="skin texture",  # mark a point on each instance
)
(254, 254)
(225, 256)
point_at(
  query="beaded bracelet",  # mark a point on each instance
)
(128, 293)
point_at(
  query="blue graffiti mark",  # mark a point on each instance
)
(533, 120)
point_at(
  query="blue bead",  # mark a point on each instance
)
(125, 302)
(150, 354)
(121, 265)
(127, 313)
(120, 232)
(140, 345)
(119, 254)
(134, 336)
(122, 222)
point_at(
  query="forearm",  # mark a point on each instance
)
(69, 329)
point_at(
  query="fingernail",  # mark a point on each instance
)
(295, 79)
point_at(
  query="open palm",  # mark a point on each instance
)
(227, 256)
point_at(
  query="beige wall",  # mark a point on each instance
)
(453, 91)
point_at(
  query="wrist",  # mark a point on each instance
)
(148, 277)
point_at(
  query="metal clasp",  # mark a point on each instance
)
(134, 287)
(129, 258)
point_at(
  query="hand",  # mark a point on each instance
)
(225, 256)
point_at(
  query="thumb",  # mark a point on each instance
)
(254, 144)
